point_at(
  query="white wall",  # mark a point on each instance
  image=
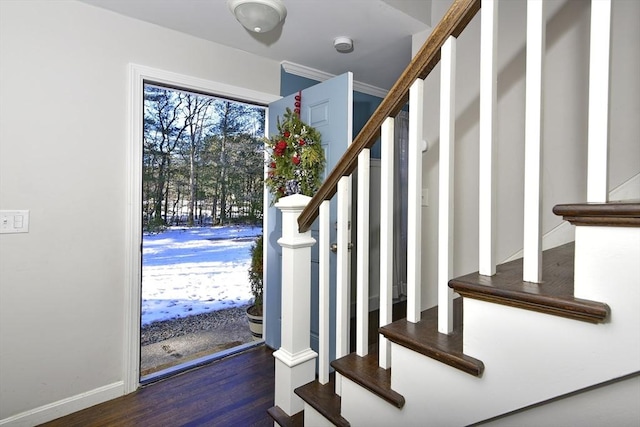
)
(565, 126)
(63, 150)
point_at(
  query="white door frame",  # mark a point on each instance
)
(138, 74)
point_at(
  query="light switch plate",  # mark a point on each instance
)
(15, 221)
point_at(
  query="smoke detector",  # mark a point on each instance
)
(343, 44)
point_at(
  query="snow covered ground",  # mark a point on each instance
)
(188, 271)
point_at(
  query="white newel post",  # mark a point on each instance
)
(295, 361)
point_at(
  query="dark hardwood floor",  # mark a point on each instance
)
(236, 391)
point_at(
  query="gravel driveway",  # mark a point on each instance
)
(172, 342)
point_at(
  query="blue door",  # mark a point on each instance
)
(327, 107)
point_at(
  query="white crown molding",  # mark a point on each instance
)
(313, 74)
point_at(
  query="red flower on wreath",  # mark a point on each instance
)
(281, 147)
(287, 134)
(301, 142)
(295, 160)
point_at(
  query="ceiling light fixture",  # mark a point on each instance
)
(258, 16)
(343, 44)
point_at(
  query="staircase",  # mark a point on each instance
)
(551, 338)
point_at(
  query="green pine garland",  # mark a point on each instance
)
(296, 158)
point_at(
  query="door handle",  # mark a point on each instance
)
(334, 247)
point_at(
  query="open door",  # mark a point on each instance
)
(328, 107)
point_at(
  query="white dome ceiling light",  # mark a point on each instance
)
(258, 16)
(343, 44)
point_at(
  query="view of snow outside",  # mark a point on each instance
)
(188, 271)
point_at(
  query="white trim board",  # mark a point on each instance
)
(138, 74)
(64, 407)
(320, 76)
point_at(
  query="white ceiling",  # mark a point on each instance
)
(381, 31)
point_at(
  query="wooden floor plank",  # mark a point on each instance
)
(236, 391)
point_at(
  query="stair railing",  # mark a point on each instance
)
(408, 87)
(441, 47)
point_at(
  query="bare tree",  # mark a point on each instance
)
(200, 154)
(234, 121)
(197, 120)
(163, 130)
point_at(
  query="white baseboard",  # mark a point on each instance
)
(565, 232)
(64, 407)
(629, 190)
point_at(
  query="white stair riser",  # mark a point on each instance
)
(314, 418)
(362, 408)
(607, 263)
(529, 357)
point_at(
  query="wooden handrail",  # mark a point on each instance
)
(452, 23)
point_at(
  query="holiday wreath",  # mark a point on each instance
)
(296, 158)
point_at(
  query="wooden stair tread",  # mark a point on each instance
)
(323, 399)
(284, 420)
(614, 214)
(366, 372)
(424, 338)
(553, 296)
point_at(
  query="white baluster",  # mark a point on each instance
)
(342, 272)
(487, 182)
(386, 237)
(532, 250)
(362, 263)
(446, 169)
(598, 136)
(414, 202)
(295, 361)
(323, 290)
